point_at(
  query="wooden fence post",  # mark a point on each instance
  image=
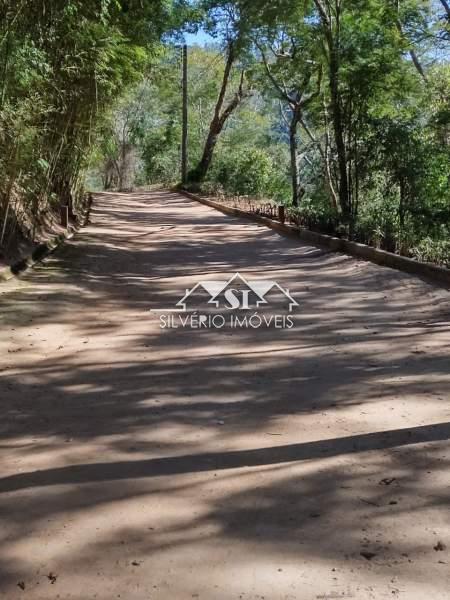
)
(64, 212)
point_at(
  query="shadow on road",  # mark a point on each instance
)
(311, 443)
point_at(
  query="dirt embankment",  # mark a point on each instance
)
(20, 238)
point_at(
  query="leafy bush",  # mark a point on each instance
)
(316, 213)
(250, 172)
(433, 250)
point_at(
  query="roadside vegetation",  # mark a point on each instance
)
(63, 65)
(338, 109)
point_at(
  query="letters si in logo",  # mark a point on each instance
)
(236, 293)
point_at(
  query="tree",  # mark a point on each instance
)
(224, 21)
(62, 64)
(221, 115)
(289, 57)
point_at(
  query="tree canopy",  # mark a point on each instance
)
(338, 109)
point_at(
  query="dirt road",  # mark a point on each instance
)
(141, 462)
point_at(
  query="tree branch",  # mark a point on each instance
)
(275, 83)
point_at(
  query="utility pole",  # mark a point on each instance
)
(184, 134)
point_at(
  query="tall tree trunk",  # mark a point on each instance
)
(297, 101)
(294, 159)
(331, 26)
(5, 72)
(199, 173)
(338, 127)
(219, 119)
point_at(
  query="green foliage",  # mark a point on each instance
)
(247, 172)
(89, 83)
(62, 65)
(434, 250)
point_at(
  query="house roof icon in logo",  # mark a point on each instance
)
(260, 287)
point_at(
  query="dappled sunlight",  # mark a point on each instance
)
(261, 451)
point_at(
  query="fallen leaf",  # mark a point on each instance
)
(387, 481)
(440, 547)
(52, 578)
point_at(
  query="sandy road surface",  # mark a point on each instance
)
(146, 463)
